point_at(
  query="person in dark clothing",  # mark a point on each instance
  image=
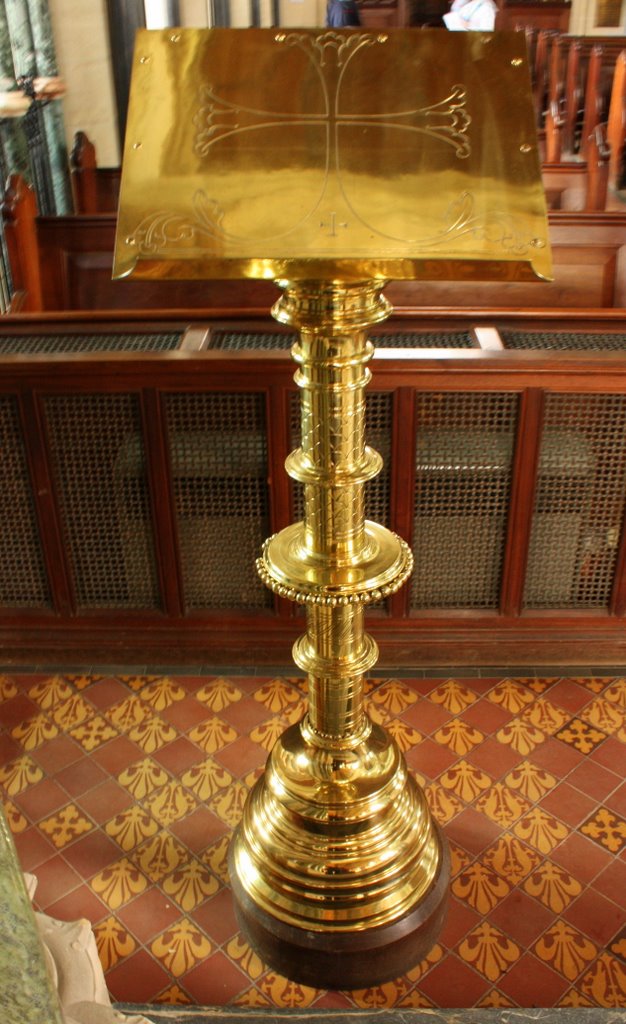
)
(342, 14)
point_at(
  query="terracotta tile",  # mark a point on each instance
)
(241, 756)
(497, 759)
(106, 692)
(530, 982)
(593, 779)
(199, 829)
(245, 714)
(558, 757)
(138, 979)
(581, 857)
(568, 804)
(81, 902)
(55, 879)
(117, 754)
(429, 758)
(192, 683)
(617, 801)
(58, 754)
(333, 1001)
(16, 710)
(178, 755)
(611, 754)
(91, 854)
(486, 716)
(33, 848)
(105, 801)
(148, 914)
(81, 776)
(42, 799)
(215, 981)
(184, 714)
(472, 831)
(10, 749)
(426, 717)
(217, 918)
(596, 916)
(521, 917)
(569, 695)
(460, 919)
(452, 983)
(611, 882)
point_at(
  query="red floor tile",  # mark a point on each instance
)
(569, 695)
(453, 984)
(106, 692)
(242, 756)
(148, 914)
(486, 716)
(16, 710)
(215, 981)
(611, 754)
(81, 776)
(597, 917)
(55, 879)
(593, 779)
(495, 758)
(472, 831)
(105, 801)
(568, 804)
(91, 854)
(42, 799)
(58, 754)
(547, 985)
(33, 849)
(138, 979)
(521, 917)
(199, 829)
(582, 858)
(611, 882)
(217, 917)
(178, 755)
(184, 714)
(460, 919)
(430, 759)
(81, 902)
(617, 800)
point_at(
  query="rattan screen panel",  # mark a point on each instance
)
(563, 340)
(464, 452)
(23, 580)
(250, 340)
(579, 503)
(42, 344)
(378, 435)
(99, 467)
(219, 467)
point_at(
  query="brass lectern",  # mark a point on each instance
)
(331, 162)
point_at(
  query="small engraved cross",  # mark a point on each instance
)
(332, 227)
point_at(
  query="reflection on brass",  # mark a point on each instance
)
(405, 154)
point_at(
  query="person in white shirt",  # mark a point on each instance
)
(471, 16)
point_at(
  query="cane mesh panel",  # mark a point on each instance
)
(247, 340)
(218, 455)
(563, 341)
(579, 503)
(99, 467)
(464, 451)
(42, 344)
(378, 435)
(250, 340)
(23, 581)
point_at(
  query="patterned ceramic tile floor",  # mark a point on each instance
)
(122, 790)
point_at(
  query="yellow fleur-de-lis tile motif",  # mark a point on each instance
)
(414, 1000)
(404, 734)
(607, 828)
(489, 951)
(533, 782)
(276, 695)
(50, 692)
(414, 974)
(127, 713)
(459, 859)
(35, 731)
(565, 949)
(618, 946)
(454, 697)
(190, 885)
(554, 886)
(378, 714)
(251, 997)
(294, 712)
(228, 804)
(142, 777)
(152, 734)
(66, 825)
(206, 779)
(253, 776)
(181, 947)
(394, 696)
(19, 774)
(173, 996)
(419, 778)
(540, 829)
(466, 780)
(213, 734)
(502, 805)
(605, 982)
(81, 681)
(283, 992)
(170, 803)
(494, 1000)
(546, 716)
(218, 694)
(481, 888)
(8, 689)
(385, 995)
(511, 858)
(574, 999)
(266, 733)
(137, 682)
(216, 856)
(538, 685)
(604, 715)
(162, 692)
(15, 819)
(245, 957)
(93, 733)
(72, 712)
(581, 736)
(113, 942)
(118, 883)
(512, 695)
(459, 736)
(443, 806)
(520, 735)
(616, 693)
(131, 827)
(160, 855)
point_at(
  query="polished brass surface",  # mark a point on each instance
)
(347, 155)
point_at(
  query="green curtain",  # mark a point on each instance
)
(34, 145)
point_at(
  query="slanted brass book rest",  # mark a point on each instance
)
(331, 162)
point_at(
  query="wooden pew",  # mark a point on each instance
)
(94, 189)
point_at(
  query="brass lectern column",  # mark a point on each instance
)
(339, 873)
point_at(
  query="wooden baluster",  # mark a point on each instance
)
(83, 167)
(593, 98)
(573, 95)
(597, 169)
(616, 125)
(19, 214)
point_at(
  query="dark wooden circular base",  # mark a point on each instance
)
(347, 960)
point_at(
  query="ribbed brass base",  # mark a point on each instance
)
(346, 960)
